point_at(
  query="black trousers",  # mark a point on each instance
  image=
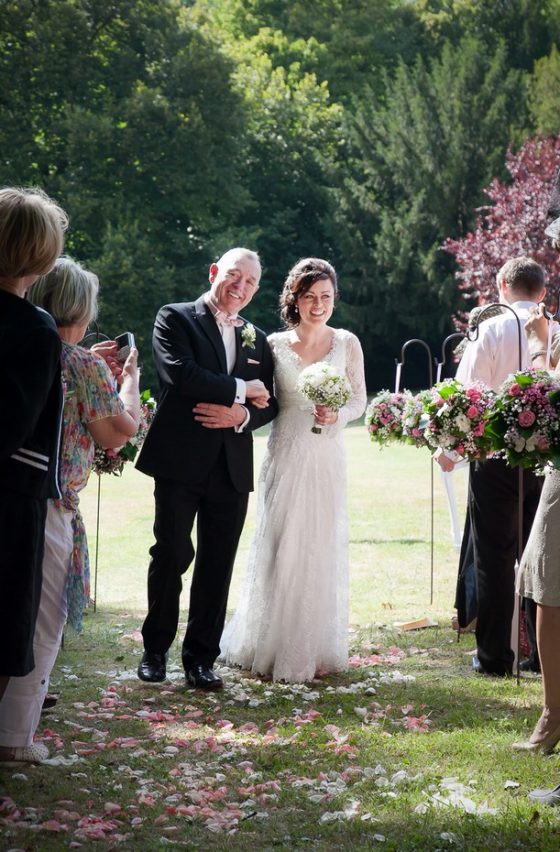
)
(220, 511)
(494, 511)
(22, 539)
(465, 593)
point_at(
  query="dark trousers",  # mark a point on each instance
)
(465, 594)
(22, 538)
(494, 509)
(220, 512)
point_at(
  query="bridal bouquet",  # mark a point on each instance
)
(322, 384)
(524, 422)
(384, 416)
(113, 461)
(456, 416)
(414, 418)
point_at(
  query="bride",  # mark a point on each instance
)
(292, 618)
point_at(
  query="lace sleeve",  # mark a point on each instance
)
(355, 373)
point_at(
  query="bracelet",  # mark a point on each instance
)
(537, 353)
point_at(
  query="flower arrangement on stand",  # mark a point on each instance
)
(384, 416)
(113, 461)
(414, 418)
(455, 417)
(524, 422)
(322, 384)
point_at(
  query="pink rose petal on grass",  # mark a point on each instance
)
(53, 825)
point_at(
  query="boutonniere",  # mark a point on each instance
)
(248, 335)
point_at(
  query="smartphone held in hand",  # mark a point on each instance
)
(125, 342)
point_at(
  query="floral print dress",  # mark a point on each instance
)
(90, 394)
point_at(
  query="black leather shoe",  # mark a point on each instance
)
(152, 667)
(200, 676)
(529, 666)
(546, 797)
(480, 669)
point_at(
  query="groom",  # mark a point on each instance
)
(215, 373)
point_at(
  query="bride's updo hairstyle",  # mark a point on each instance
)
(300, 278)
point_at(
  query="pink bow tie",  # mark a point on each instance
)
(225, 319)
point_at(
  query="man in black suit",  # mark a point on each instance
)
(215, 373)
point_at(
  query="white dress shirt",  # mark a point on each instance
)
(230, 346)
(495, 353)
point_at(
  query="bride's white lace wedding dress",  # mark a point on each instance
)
(292, 617)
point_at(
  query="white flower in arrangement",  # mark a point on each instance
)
(322, 384)
(463, 423)
(248, 335)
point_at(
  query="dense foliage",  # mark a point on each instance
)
(362, 130)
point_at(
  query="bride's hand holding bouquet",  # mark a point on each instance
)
(323, 385)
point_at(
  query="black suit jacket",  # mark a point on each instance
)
(190, 360)
(31, 395)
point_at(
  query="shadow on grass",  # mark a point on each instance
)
(325, 766)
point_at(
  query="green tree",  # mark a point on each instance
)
(291, 132)
(544, 94)
(420, 164)
(124, 111)
(528, 28)
(346, 43)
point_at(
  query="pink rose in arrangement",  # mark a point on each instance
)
(472, 411)
(473, 394)
(515, 390)
(526, 418)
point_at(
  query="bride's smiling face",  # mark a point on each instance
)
(316, 305)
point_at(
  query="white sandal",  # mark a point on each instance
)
(34, 753)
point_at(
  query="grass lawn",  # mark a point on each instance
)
(408, 750)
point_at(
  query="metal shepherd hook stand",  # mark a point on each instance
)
(399, 366)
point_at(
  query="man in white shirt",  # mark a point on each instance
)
(493, 503)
